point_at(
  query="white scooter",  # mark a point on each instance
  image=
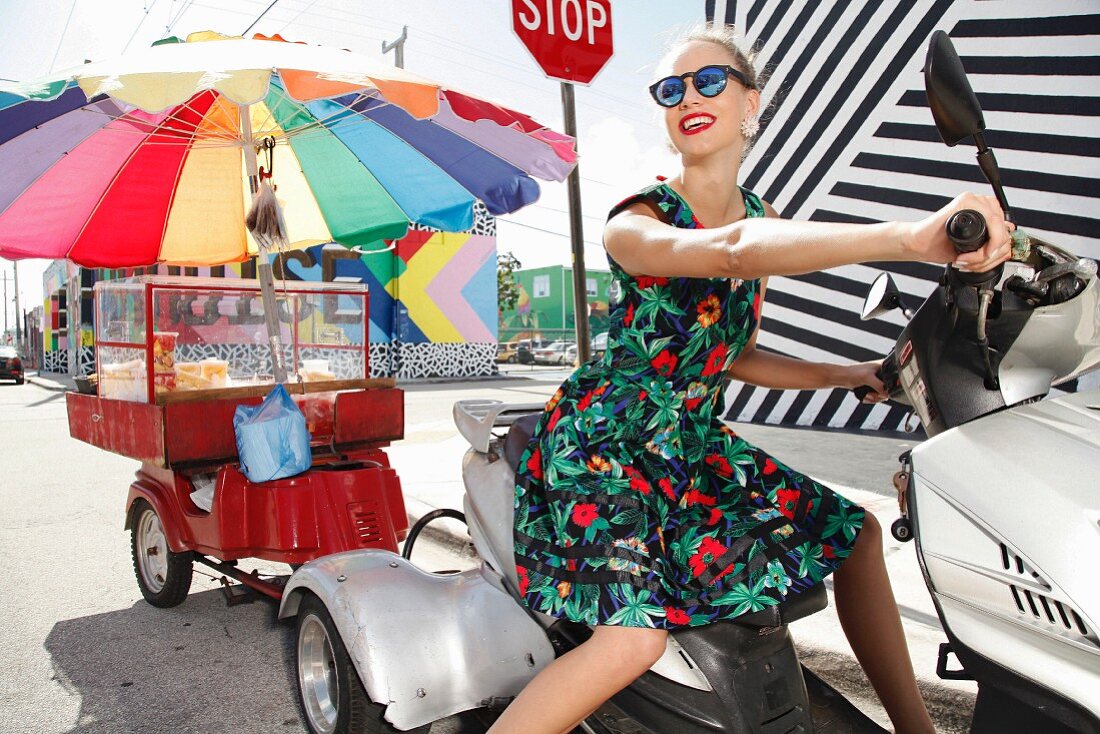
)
(1001, 499)
(1004, 497)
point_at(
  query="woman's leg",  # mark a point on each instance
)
(570, 688)
(869, 615)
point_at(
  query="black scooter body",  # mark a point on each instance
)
(759, 687)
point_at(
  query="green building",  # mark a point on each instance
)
(545, 306)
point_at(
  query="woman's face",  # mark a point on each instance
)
(699, 125)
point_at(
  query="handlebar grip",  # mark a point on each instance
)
(967, 231)
(861, 392)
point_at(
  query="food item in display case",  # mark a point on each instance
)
(164, 360)
(215, 371)
(123, 380)
(188, 368)
(315, 370)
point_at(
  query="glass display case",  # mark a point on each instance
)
(160, 336)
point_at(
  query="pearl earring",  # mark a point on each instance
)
(750, 126)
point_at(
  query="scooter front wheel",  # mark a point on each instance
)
(330, 694)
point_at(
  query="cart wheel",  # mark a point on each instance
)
(330, 694)
(164, 577)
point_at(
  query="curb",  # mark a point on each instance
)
(46, 383)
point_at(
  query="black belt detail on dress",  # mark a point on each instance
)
(622, 500)
(589, 577)
(804, 500)
(770, 553)
(822, 514)
(739, 547)
(582, 551)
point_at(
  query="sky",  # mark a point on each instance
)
(468, 44)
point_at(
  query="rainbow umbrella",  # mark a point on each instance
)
(158, 156)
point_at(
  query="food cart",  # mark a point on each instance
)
(174, 359)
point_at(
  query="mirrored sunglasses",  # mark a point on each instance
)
(710, 81)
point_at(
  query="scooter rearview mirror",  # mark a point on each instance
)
(881, 298)
(954, 105)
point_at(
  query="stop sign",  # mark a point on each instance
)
(569, 39)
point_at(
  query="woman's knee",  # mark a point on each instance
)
(638, 647)
(871, 532)
(869, 540)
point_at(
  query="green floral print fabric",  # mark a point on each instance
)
(635, 505)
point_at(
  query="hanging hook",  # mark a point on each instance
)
(267, 146)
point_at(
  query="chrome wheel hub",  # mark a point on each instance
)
(317, 675)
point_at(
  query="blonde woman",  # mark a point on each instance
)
(637, 510)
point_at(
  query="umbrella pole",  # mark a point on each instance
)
(263, 259)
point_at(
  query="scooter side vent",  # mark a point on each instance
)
(366, 523)
(1062, 617)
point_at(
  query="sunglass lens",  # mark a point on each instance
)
(710, 81)
(669, 91)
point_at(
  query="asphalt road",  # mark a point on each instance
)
(81, 650)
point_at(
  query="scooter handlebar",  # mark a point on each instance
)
(967, 230)
(888, 373)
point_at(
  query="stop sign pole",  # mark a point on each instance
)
(571, 41)
(576, 234)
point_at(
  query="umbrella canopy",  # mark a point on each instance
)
(152, 157)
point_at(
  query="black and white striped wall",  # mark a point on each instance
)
(848, 137)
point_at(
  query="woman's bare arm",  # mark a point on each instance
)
(761, 246)
(765, 369)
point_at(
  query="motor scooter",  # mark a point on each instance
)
(384, 646)
(1002, 497)
(427, 645)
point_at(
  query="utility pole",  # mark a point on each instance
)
(18, 329)
(398, 48)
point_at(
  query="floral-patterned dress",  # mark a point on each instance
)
(635, 505)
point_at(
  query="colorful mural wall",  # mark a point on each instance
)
(433, 297)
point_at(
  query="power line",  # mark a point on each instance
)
(258, 17)
(296, 17)
(139, 24)
(547, 231)
(184, 7)
(63, 31)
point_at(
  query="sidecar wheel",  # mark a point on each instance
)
(164, 577)
(330, 695)
(902, 530)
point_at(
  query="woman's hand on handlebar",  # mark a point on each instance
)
(929, 241)
(864, 379)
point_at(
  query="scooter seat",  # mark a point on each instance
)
(519, 435)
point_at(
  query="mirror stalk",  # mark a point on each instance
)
(988, 163)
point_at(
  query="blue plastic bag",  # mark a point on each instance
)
(272, 439)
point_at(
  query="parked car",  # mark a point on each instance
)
(553, 353)
(508, 352)
(11, 367)
(525, 350)
(599, 346)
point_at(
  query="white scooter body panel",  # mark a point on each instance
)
(489, 506)
(1024, 603)
(425, 645)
